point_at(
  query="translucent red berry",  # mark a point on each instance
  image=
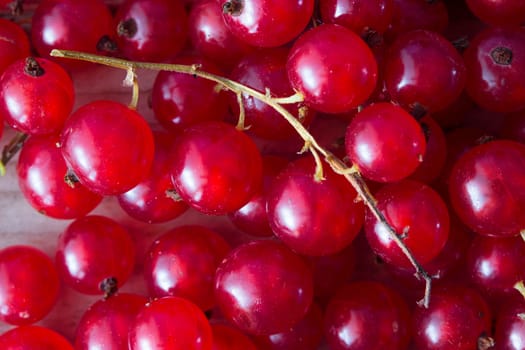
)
(333, 68)
(108, 146)
(385, 142)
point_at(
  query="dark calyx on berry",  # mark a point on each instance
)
(232, 7)
(33, 68)
(109, 286)
(106, 44)
(127, 28)
(502, 56)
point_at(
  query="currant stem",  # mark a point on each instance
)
(351, 174)
(242, 115)
(295, 98)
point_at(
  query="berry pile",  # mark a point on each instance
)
(262, 174)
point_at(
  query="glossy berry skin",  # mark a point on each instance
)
(385, 142)
(91, 250)
(33, 338)
(408, 15)
(151, 30)
(494, 264)
(304, 335)
(332, 271)
(495, 62)
(14, 43)
(148, 201)
(210, 36)
(36, 102)
(267, 70)
(252, 218)
(313, 217)
(263, 287)
(170, 323)
(105, 325)
(181, 100)
(435, 152)
(70, 25)
(415, 211)
(366, 315)
(226, 337)
(360, 16)
(456, 318)
(486, 188)
(410, 59)
(217, 169)
(182, 262)
(499, 12)
(333, 68)
(510, 325)
(267, 23)
(29, 285)
(41, 170)
(108, 146)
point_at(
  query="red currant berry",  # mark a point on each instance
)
(108, 146)
(170, 323)
(261, 71)
(41, 170)
(495, 62)
(510, 325)
(360, 16)
(266, 23)
(499, 13)
(149, 201)
(94, 253)
(217, 169)
(332, 271)
(211, 38)
(455, 320)
(385, 142)
(367, 315)
(494, 264)
(29, 285)
(226, 337)
(70, 25)
(435, 152)
(106, 324)
(406, 72)
(32, 338)
(263, 287)
(14, 43)
(333, 68)
(410, 15)
(418, 215)
(486, 190)
(182, 262)
(313, 217)
(252, 218)
(181, 100)
(306, 334)
(151, 30)
(37, 96)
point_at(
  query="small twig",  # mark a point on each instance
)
(11, 149)
(242, 115)
(351, 174)
(295, 98)
(131, 80)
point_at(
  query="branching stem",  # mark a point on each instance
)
(351, 174)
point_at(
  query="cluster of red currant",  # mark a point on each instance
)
(405, 120)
